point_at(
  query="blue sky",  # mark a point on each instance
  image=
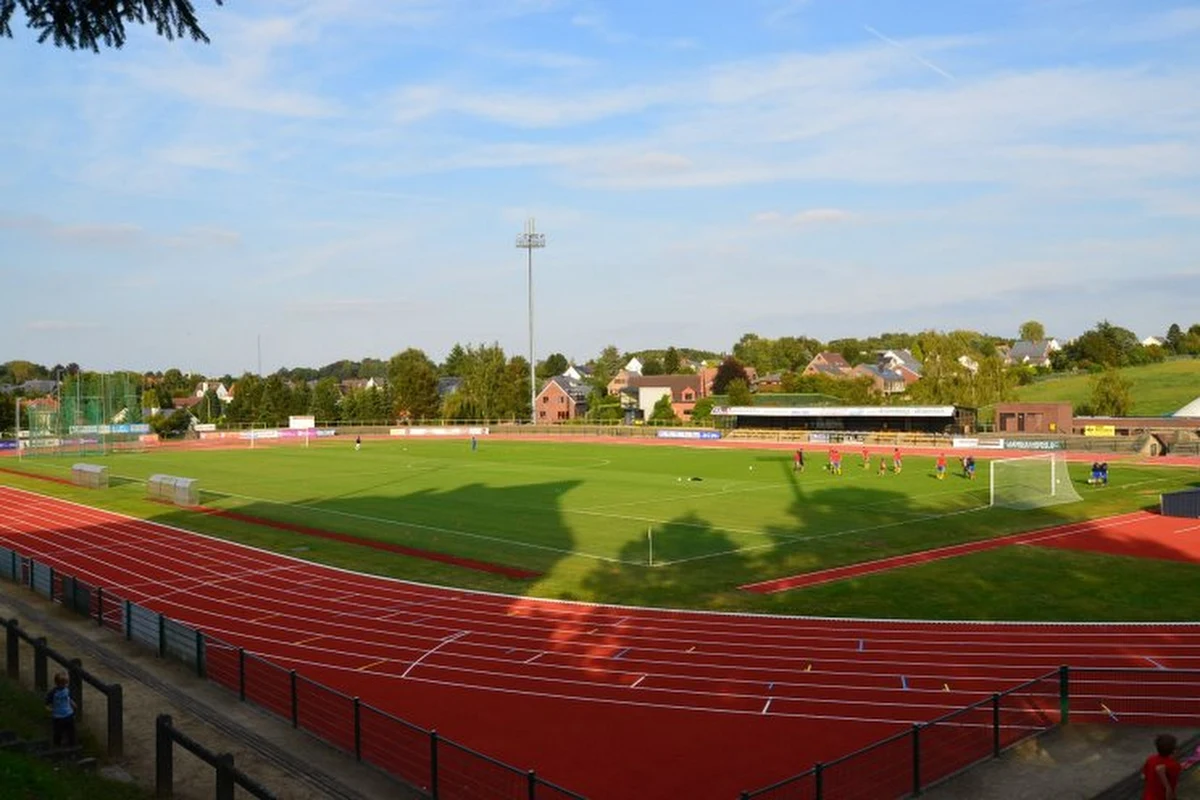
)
(345, 178)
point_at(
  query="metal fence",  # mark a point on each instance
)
(421, 758)
(907, 763)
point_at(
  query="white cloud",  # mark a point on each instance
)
(808, 217)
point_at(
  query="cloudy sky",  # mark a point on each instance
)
(346, 178)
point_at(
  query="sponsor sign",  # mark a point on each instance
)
(439, 431)
(819, 438)
(1099, 430)
(969, 443)
(678, 434)
(204, 427)
(1034, 444)
(8, 444)
(302, 423)
(102, 430)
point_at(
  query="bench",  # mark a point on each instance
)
(90, 476)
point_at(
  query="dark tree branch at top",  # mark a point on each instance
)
(90, 24)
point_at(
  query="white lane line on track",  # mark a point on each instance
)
(434, 649)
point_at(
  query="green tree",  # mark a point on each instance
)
(276, 400)
(325, 399)
(209, 408)
(1112, 394)
(515, 397)
(607, 365)
(731, 369)
(663, 411)
(671, 362)
(88, 24)
(484, 379)
(755, 351)
(413, 379)
(555, 364)
(171, 425)
(1032, 331)
(455, 363)
(739, 393)
(247, 396)
(702, 411)
(652, 366)
(1175, 338)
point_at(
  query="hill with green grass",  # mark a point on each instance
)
(1158, 389)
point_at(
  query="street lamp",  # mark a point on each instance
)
(528, 241)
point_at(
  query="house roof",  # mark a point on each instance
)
(888, 375)
(1192, 409)
(1026, 350)
(828, 369)
(830, 357)
(905, 358)
(582, 369)
(191, 401)
(38, 386)
(576, 390)
(676, 383)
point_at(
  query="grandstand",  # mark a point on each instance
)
(867, 419)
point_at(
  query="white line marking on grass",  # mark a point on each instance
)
(691, 496)
(438, 529)
(451, 638)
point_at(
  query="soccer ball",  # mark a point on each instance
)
(751, 467)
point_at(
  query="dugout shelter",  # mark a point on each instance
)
(859, 419)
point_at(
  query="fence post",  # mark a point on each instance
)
(128, 621)
(433, 765)
(995, 726)
(100, 606)
(40, 679)
(201, 653)
(357, 730)
(162, 636)
(116, 721)
(51, 583)
(1064, 695)
(819, 780)
(916, 755)
(242, 674)
(75, 681)
(13, 649)
(164, 768)
(225, 782)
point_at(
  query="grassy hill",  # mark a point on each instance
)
(1157, 388)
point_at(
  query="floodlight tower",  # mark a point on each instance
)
(528, 241)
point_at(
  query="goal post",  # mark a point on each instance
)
(1033, 481)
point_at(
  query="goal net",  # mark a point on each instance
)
(1031, 482)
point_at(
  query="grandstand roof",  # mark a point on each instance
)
(834, 411)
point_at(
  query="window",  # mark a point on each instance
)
(545, 399)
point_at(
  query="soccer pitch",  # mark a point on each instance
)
(665, 525)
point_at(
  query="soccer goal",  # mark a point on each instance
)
(1031, 481)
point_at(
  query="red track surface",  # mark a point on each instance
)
(1139, 534)
(609, 701)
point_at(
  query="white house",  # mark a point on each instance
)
(218, 388)
(578, 372)
(634, 366)
(1153, 341)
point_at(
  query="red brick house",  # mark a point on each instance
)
(828, 363)
(562, 399)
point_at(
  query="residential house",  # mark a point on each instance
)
(189, 402)
(620, 381)
(562, 399)
(31, 388)
(1032, 353)
(884, 381)
(902, 362)
(828, 363)
(578, 372)
(684, 391)
(218, 388)
(635, 366)
(771, 382)
(1153, 341)
(361, 384)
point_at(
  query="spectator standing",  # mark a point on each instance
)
(62, 712)
(1160, 773)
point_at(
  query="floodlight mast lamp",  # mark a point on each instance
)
(529, 241)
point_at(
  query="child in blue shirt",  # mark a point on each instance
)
(62, 712)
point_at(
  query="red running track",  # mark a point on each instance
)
(613, 702)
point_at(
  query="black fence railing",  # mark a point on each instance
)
(227, 776)
(77, 676)
(421, 758)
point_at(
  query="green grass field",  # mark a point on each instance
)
(1158, 389)
(584, 515)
